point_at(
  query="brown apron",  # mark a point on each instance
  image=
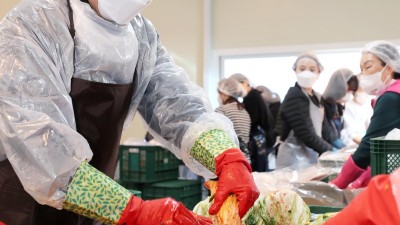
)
(100, 111)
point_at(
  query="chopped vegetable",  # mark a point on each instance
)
(278, 208)
(202, 207)
(286, 208)
(229, 212)
(256, 215)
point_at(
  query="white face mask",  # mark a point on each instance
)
(306, 79)
(372, 84)
(121, 11)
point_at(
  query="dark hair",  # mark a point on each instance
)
(396, 75)
(353, 84)
(232, 99)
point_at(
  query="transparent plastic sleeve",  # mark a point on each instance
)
(207, 122)
(37, 125)
(38, 58)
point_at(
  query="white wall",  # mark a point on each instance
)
(6, 5)
(261, 23)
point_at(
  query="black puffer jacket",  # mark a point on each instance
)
(260, 115)
(333, 115)
(294, 115)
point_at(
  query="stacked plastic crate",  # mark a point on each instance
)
(385, 155)
(153, 171)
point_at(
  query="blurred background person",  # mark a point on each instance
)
(261, 133)
(380, 73)
(272, 101)
(357, 116)
(230, 98)
(301, 128)
(334, 97)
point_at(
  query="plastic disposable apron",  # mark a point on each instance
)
(294, 153)
(100, 111)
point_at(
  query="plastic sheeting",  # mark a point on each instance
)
(307, 183)
(335, 159)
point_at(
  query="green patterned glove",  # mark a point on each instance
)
(209, 145)
(96, 196)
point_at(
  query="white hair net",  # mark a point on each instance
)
(308, 55)
(386, 51)
(337, 85)
(268, 95)
(231, 87)
(239, 77)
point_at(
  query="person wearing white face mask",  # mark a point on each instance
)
(72, 76)
(304, 133)
(334, 98)
(357, 116)
(380, 73)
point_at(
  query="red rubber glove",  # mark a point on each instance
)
(165, 211)
(350, 172)
(234, 177)
(1, 223)
(362, 180)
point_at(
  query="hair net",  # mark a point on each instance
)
(311, 56)
(231, 87)
(268, 95)
(239, 77)
(386, 51)
(337, 85)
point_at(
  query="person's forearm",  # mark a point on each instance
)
(209, 145)
(96, 196)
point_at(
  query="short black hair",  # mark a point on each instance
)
(353, 84)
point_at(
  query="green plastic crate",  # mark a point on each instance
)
(136, 193)
(131, 185)
(385, 155)
(145, 164)
(317, 209)
(186, 191)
